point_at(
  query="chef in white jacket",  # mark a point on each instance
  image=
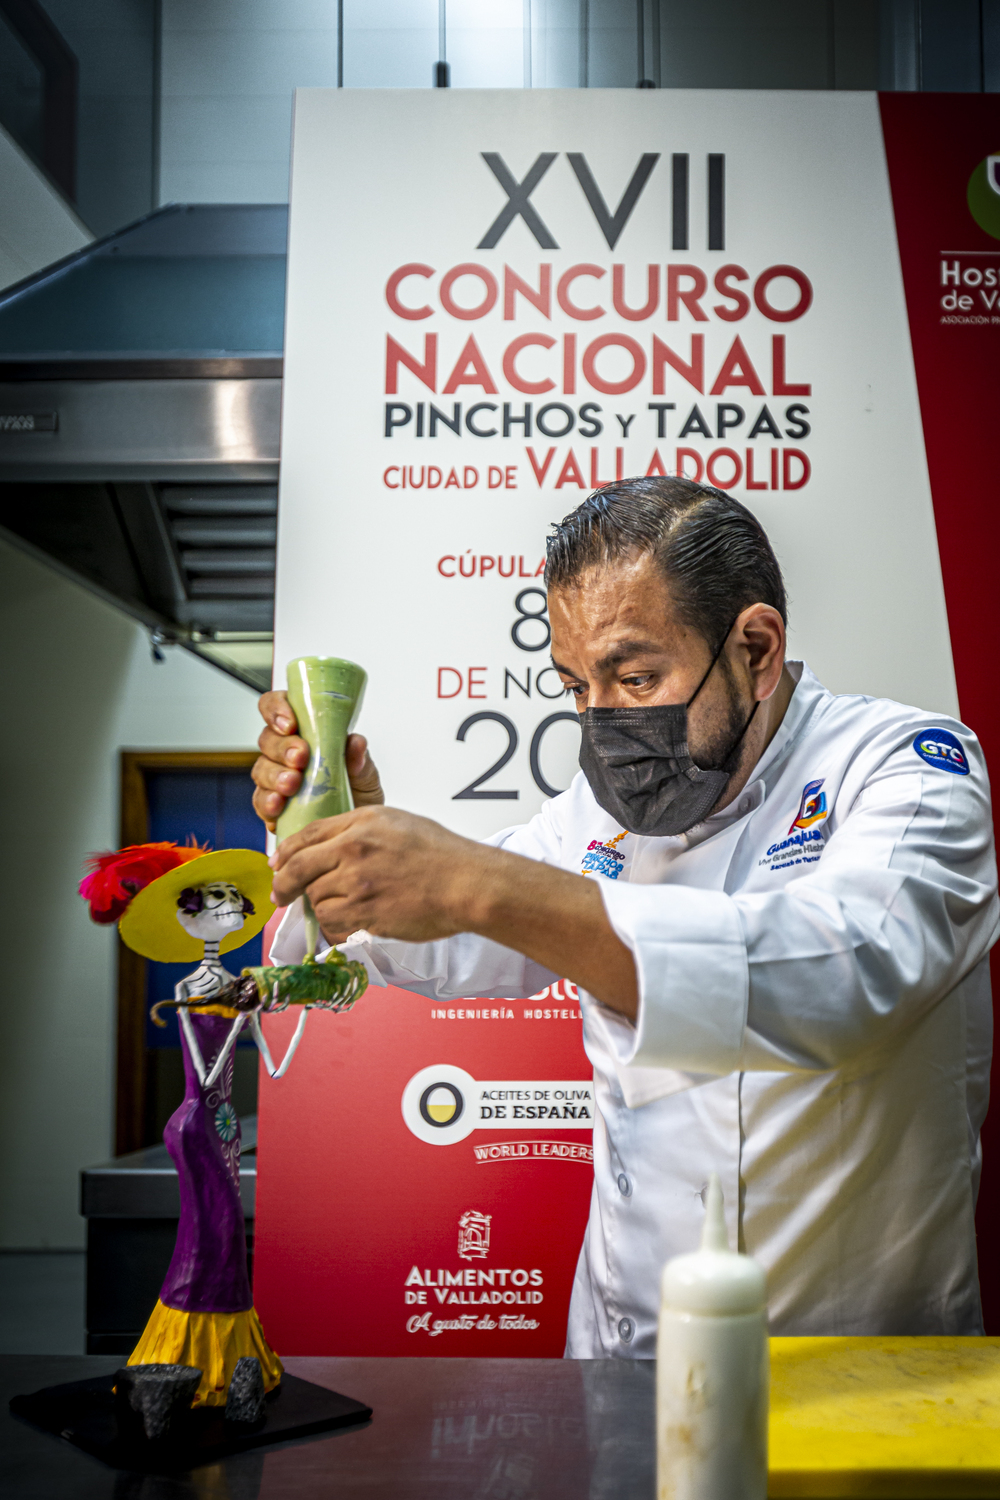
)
(781, 941)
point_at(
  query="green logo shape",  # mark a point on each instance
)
(984, 195)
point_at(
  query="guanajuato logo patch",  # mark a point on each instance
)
(804, 843)
(443, 1104)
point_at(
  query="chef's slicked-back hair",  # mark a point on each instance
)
(714, 553)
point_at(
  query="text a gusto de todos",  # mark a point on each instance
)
(740, 391)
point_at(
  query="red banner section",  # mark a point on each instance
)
(941, 151)
(426, 1170)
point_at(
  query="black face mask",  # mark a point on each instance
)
(640, 769)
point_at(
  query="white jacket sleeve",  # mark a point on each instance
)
(901, 906)
(453, 968)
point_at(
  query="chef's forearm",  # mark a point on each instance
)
(554, 918)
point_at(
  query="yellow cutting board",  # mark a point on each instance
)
(889, 1417)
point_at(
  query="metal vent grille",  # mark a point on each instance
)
(223, 538)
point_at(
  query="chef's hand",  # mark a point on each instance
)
(379, 868)
(405, 877)
(284, 756)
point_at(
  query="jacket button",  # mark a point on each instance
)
(626, 1328)
(624, 1186)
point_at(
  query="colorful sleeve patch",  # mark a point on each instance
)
(603, 858)
(940, 748)
(812, 806)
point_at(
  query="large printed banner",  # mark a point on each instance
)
(496, 302)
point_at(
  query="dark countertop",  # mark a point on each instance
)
(443, 1429)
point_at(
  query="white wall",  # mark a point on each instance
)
(230, 67)
(81, 685)
(36, 225)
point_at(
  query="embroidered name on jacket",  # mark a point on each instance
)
(604, 859)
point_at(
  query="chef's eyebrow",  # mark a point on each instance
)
(624, 651)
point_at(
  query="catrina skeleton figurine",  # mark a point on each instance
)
(177, 904)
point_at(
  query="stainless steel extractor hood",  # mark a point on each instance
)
(140, 391)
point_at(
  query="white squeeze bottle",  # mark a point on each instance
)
(712, 1371)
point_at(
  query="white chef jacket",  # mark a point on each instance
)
(814, 1024)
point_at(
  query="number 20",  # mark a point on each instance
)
(471, 793)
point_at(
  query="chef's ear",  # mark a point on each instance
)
(761, 631)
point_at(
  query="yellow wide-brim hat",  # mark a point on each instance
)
(149, 924)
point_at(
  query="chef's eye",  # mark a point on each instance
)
(637, 679)
(578, 689)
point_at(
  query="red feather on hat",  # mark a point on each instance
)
(119, 874)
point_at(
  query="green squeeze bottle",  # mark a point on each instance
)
(325, 693)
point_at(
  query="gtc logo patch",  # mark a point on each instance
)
(940, 748)
(812, 808)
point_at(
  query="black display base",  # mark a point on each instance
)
(83, 1413)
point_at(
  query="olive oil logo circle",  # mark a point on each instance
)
(441, 1104)
(984, 195)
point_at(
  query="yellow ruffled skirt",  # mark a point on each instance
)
(212, 1342)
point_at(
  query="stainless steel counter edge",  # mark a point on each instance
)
(142, 429)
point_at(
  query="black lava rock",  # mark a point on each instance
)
(158, 1396)
(245, 1397)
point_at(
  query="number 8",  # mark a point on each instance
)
(525, 615)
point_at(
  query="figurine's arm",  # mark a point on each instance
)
(207, 981)
(186, 991)
(264, 1049)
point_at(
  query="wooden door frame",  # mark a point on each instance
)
(130, 1069)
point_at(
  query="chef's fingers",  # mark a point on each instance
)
(339, 916)
(275, 774)
(322, 831)
(287, 750)
(273, 785)
(308, 854)
(362, 772)
(276, 711)
(268, 806)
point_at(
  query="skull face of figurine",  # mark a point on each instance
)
(212, 911)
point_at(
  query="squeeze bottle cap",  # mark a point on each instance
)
(713, 1282)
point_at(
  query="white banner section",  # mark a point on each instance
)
(497, 301)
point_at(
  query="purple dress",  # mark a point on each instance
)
(208, 1272)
